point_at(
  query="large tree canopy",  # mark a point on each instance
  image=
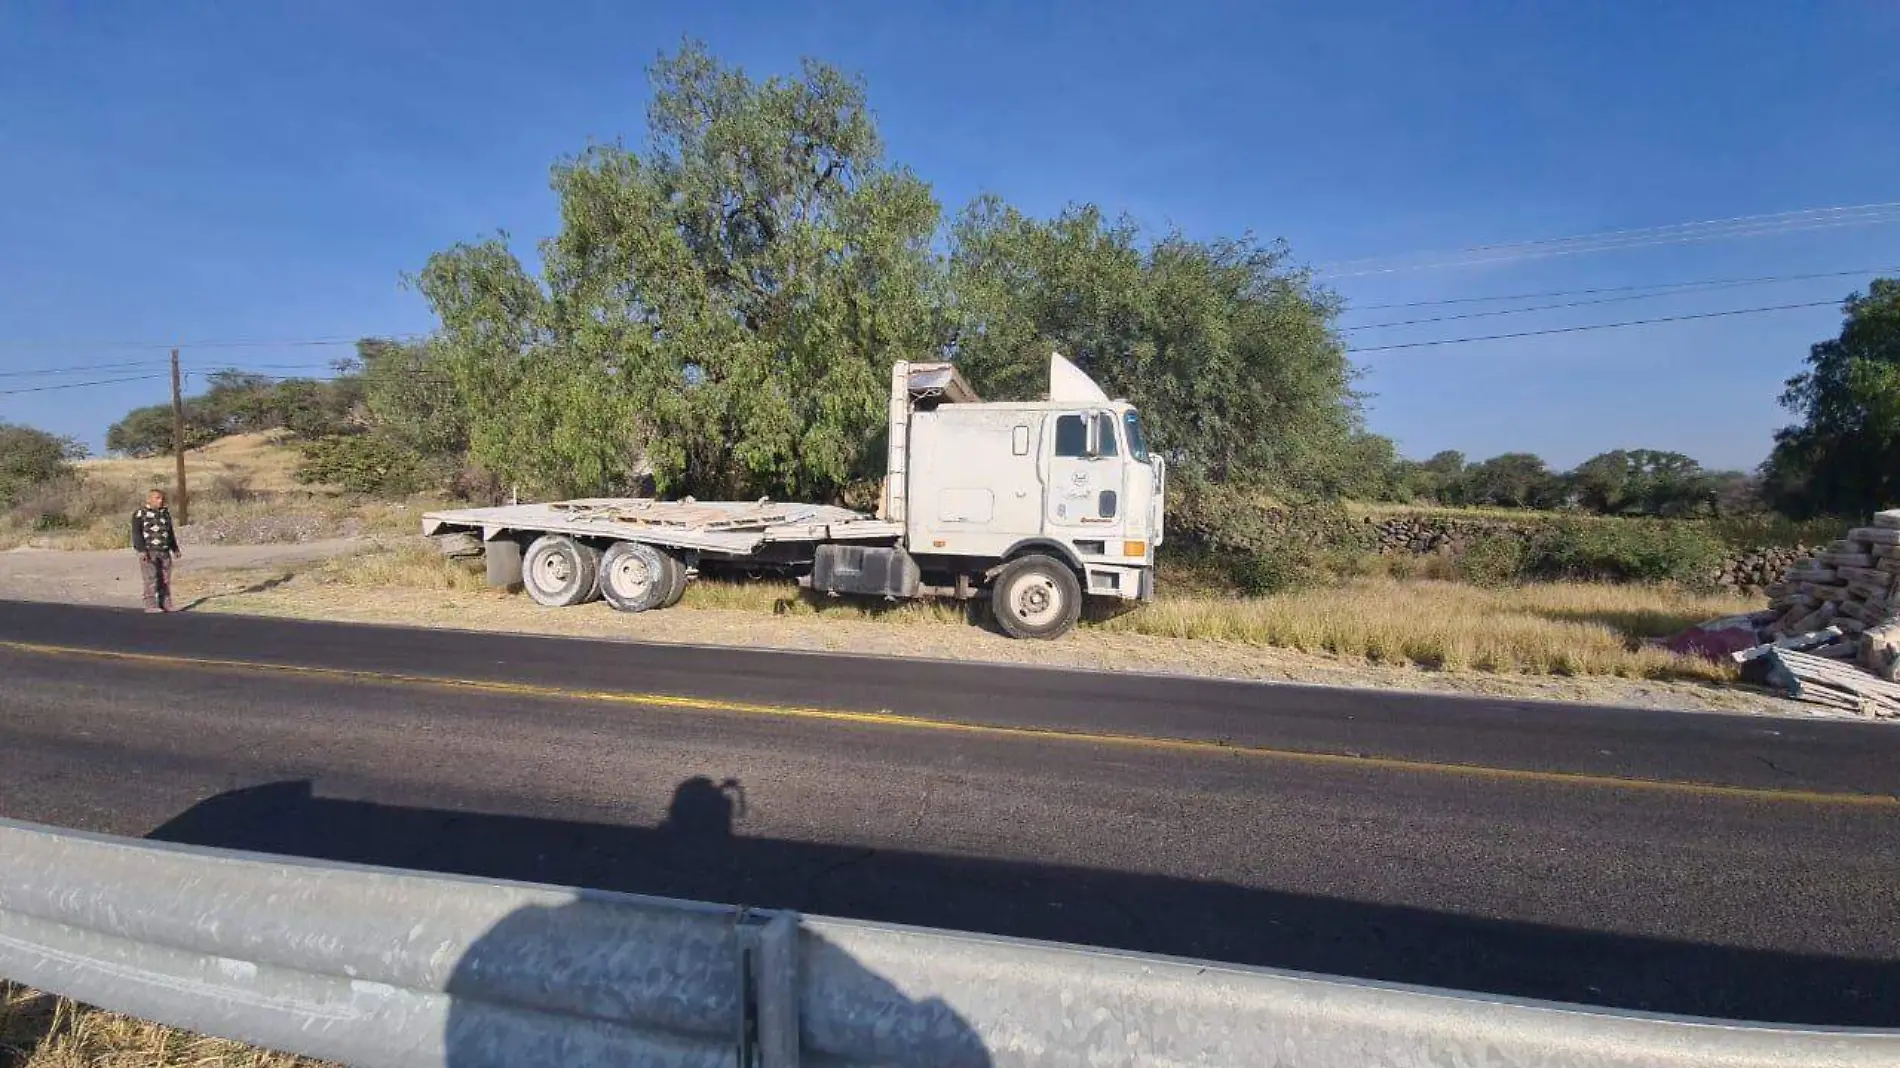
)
(1229, 352)
(1844, 455)
(728, 300)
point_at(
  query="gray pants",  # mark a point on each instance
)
(155, 571)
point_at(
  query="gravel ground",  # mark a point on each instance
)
(111, 576)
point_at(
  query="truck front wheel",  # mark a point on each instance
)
(1036, 597)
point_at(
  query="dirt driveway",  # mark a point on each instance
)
(111, 576)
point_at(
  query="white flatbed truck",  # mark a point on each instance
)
(1034, 505)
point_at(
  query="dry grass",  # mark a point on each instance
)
(1387, 509)
(263, 460)
(410, 566)
(1556, 629)
(39, 1031)
(1569, 629)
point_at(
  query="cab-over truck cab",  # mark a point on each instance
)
(1039, 503)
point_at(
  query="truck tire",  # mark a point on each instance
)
(677, 589)
(635, 577)
(1036, 596)
(559, 571)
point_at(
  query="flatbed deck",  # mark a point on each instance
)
(732, 528)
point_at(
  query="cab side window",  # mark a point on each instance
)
(1105, 435)
(1072, 435)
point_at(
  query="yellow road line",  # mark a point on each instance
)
(894, 719)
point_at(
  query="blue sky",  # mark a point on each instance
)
(257, 171)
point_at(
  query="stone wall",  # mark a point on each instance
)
(1748, 571)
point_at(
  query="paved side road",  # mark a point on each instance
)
(1757, 902)
(111, 576)
(1535, 736)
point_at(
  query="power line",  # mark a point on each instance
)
(1736, 220)
(1618, 240)
(1619, 247)
(37, 372)
(1746, 222)
(1713, 283)
(1507, 311)
(1595, 326)
(214, 343)
(81, 385)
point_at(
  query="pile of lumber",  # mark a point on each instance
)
(1823, 681)
(1853, 584)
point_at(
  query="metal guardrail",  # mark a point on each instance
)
(377, 967)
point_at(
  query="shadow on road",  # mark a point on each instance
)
(256, 587)
(695, 854)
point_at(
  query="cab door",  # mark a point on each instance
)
(1083, 494)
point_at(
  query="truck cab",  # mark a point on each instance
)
(1069, 480)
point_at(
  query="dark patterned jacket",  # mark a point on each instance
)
(152, 531)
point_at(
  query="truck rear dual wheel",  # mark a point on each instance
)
(636, 577)
(559, 571)
(1036, 597)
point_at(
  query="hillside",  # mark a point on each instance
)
(243, 490)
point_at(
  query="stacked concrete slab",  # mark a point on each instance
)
(1853, 584)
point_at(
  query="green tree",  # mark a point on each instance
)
(147, 431)
(1603, 482)
(1644, 482)
(410, 398)
(727, 301)
(1437, 479)
(1843, 457)
(242, 402)
(1228, 350)
(1736, 493)
(1512, 480)
(1670, 484)
(30, 457)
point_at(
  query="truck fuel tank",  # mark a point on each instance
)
(872, 570)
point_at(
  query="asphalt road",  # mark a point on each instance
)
(1715, 865)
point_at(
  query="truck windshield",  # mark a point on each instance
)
(1137, 443)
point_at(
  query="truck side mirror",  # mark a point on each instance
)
(1100, 424)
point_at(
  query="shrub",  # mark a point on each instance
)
(1625, 551)
(68, 502)
(1750, 533)
(363, 463)
(470, 482)
(1494, 559)
(30, 457)
(1258, 547)
(229, 486)
(1273, 570)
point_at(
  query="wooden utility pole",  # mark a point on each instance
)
(182, 506)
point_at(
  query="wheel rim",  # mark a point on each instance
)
(632, 578)
(553, 571)
(1035, 600)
